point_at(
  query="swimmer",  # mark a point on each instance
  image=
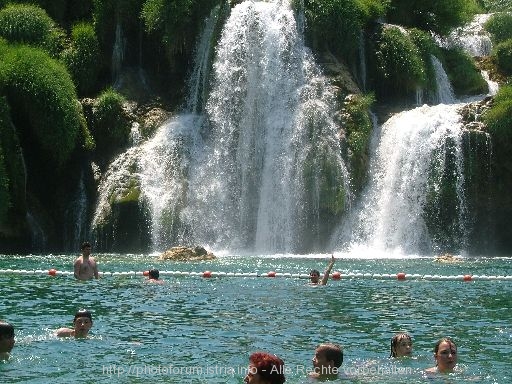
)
(314, 275)
(154, 277)
(82, 323)
(327, 362)
(265, 368)
(445, 354)
(6, 340)
(85, 267)
(401, 345)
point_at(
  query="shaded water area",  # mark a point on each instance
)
(198, 330)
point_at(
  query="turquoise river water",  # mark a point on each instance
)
(202, 330)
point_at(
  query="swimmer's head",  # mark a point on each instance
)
(6, 330)
(154, 274)
(85, 245)
(82, 313)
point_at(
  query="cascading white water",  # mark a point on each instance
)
(408, 163)
(472, 37)
(445, 93)
(255, 182)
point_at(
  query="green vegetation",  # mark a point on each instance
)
(82, 56)
(110, 126)
(496, 5)
(337, 25)
(503, 55)
(500, 27)
(499, 121)
(400, 68)
(358, 126)
(42, 97)
(438, 16)
(29, 24)
(462, 72)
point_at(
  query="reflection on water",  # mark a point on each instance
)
(214, 324)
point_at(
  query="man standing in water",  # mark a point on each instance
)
(85, 267)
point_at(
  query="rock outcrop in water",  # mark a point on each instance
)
(197, 253)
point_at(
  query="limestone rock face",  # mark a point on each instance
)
(197, 253)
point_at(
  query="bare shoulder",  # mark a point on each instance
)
(64, 332)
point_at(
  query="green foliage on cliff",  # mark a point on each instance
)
(464, 76)
(29, 24)
(358, 126)
(337, 25)
(496, 5)
(438, 16)
(110, 127)
(499, 26)
(41, 93)
(400, 68)
(499, 120)
(82, 57)
(503, 55)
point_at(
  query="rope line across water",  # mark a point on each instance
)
(270, 274)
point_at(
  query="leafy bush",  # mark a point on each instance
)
(400, 68)
(337, 24)
(496, 5)
(111, 128)
(499, 117)
(500, 27)
(503, 54)
(42, 94)
(437, 16)
(82, 57)
(464, 76)
(29, 24)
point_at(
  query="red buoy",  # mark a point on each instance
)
(467, 278)
(145, 273)
(271, 274)
(52, 272)
(336, 275)
(400, 276)
(207, 274)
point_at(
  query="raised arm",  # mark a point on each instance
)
(327, 271)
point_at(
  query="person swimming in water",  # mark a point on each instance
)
(401, 345)
(85, 267)
(6, 340)
(82, 323)
(445, 354)
(154, 277)
(314, 275)
(327, 362)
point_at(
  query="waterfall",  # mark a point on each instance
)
(250, 174)
(445, 93)
(419, 152)
(117, 53)
(472, 37)
(75, 231)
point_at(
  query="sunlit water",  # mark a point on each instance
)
(192, 323)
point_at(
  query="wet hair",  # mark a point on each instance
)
(154, 274)
(396, 339)
(85, 244)
(442, 340)
(82, 313)
(332, 352)
(6, 330)
(314, 272)
(268, 366)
